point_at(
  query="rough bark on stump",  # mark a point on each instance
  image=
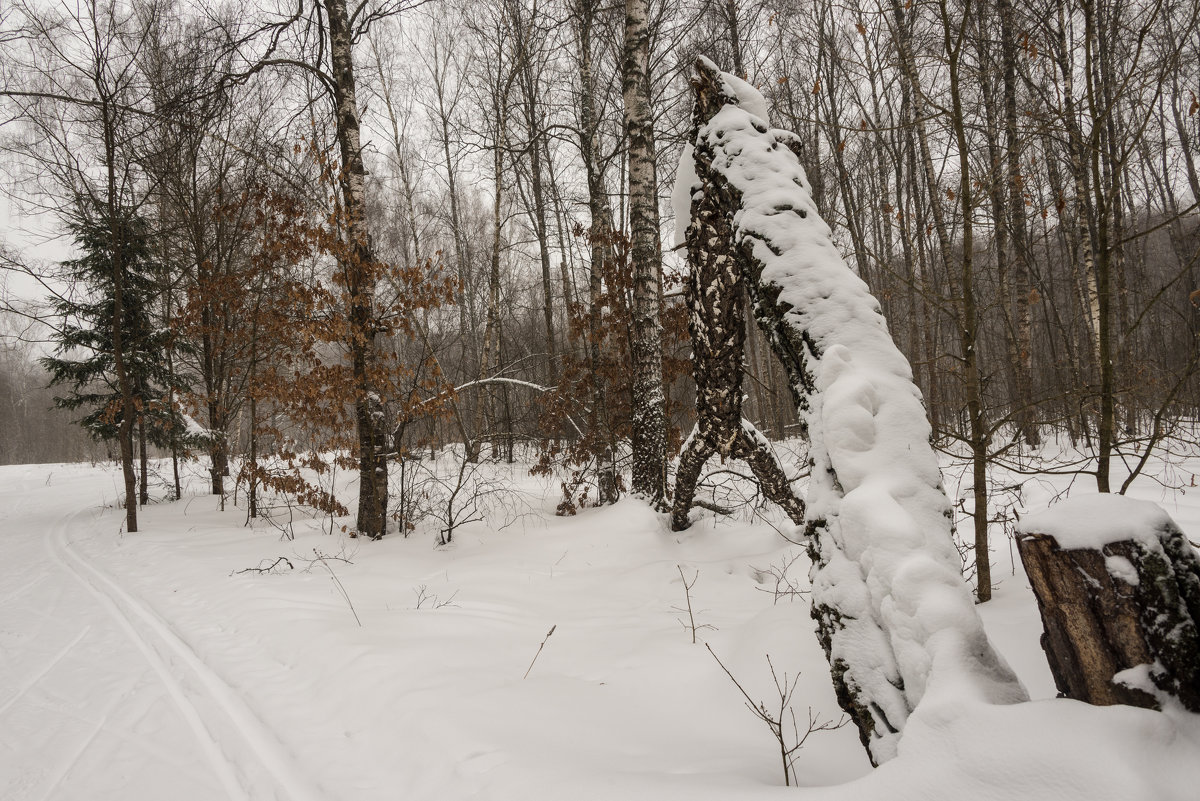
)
(1099, 623)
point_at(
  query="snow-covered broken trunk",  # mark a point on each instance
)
(895, 617)
(1118, 586)
(717, 323)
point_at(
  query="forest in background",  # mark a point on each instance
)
(1016, 182)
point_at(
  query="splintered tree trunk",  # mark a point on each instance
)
(715, 293)
(1118, 587)
(649, 423)
(358, 276)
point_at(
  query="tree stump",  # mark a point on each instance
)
(1118, 587)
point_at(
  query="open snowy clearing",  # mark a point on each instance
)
(144, 666)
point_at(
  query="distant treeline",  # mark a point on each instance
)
(31, 429)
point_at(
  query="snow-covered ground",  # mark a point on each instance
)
(144, 666)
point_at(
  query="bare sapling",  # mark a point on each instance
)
(425, 598)
(785, 586)
(322, 558)
(690, 625)
(781, 718)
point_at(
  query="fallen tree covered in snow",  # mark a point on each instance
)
(894, 614)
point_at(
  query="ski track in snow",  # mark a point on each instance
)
(137, 668)
(240, 748)
(32, 681)
(94, 683)
(73, 696)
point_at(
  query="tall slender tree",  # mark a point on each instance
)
(649, 402)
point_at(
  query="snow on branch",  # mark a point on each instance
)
(198, 434)
(499, 380)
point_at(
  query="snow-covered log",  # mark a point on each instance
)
(1118, 586)
(894, 614)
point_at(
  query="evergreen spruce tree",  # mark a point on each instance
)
(83, 358)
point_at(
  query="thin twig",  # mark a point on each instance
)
(539, 651)
(321, 558)
(260, 569)
(687, 593)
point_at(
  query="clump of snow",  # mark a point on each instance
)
(907, 624)
(1093, 521)
(198, 433)
(1140, 677)
(1121, 568)
(686, 184)
(741, 93)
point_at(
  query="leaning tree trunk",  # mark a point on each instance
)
(1118, 586)
(894, 615)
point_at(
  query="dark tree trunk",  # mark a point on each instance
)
(175, 470)
(600, 237)
(252, 485)
(715, 293)
(124, 380)
(143, 463)
(358, 275)
(735, 38)
(1026, 413)
(218, 452)
(173, 403)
